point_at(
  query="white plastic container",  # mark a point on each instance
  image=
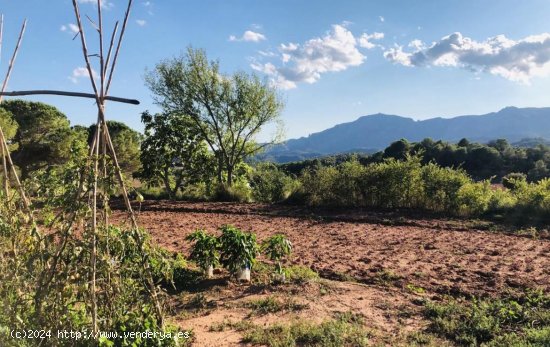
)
(209, 271)
(243, 274)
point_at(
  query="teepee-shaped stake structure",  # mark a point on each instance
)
(7, 163)
(103, 145)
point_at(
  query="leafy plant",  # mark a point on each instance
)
(238, 249)
(205, 250)
(276, 248)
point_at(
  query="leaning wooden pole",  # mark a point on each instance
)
(1, 34)
(5, 152)
(64, 93)
(7, 157)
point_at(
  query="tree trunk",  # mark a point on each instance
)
(229, 176)
(166, 180)
(220, 168)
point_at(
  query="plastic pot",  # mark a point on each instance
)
(209, 272)
(243, 274)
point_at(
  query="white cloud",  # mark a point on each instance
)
(104, 3)
(517, 61)
(382, 19)
(141, 22)
(71, 28)
(249, 36)
(365, 40)
(336, 51)
(81, 72)
(147, 3)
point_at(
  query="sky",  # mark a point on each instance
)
(333, 61)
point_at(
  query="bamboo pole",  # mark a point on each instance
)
(119, 44)
(1, 34)
(111, 44)
(2, 137)
(14, 56)
(63, 93)
(5, 152)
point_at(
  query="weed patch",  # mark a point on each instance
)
(520, 320)
(345, 329)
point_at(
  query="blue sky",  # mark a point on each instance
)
(333, 60)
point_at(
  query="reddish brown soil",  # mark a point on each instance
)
(441, 256)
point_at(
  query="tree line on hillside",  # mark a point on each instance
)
(492, 161)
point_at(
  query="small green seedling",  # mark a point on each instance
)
(276, 248)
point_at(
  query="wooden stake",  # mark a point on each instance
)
(12, 61)
(1, 34)
(126, 16)
(3, 138)
(5, 152)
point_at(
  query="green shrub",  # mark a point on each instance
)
(238, 192)
(205, 250)
(276, 248)
(269, 184)
(513, 180)
(474, 198)
(238, 249)
(442, 187)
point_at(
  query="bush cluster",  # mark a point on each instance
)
(410, 184)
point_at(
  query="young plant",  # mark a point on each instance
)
(205, 251)
(238, 249)
(276, 248)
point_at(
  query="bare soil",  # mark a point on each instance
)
(377, 262)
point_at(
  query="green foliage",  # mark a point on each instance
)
(300, 274)
(273, 304)
(276, 248)
(238, 249)
(172, 153)
(521, 320)
(410, 184)
(238, 192)
(31, 299)
(43, 136)
(481, 161)
(345, 330)
(126, 142)
(513, 180)
(269, 184)
(533, 200)
(228, 110)
(205, 250)
(8, 124)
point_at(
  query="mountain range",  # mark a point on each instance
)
(375, 132)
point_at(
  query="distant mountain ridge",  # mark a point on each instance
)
(375, 132)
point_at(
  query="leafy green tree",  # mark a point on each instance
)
(8, 124)
(539, 172)
(228, 110)
(398, 149)
(173, 153)
(43, 136)
(127, 144)
(463, 143)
